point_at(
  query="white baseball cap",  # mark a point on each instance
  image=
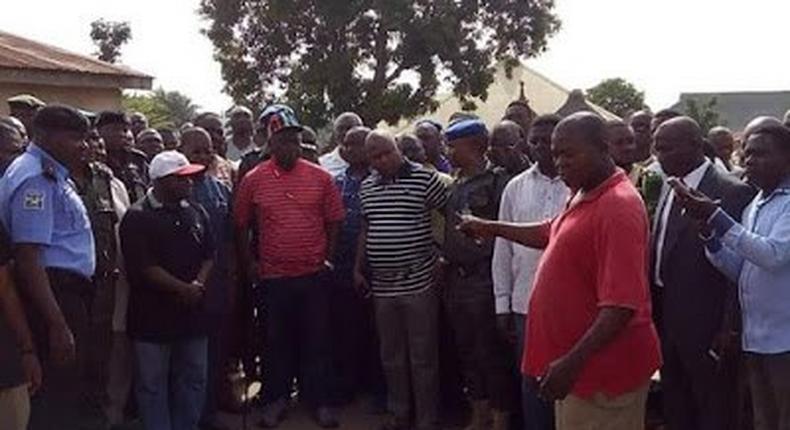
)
(172, 163)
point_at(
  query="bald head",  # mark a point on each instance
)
(342, 124)
(683, 127)
(196, 145)
(761, 122)
(508, 129)
(679, 146)
(352, 147)
(580, 151)
(588, 127)
(383, 153)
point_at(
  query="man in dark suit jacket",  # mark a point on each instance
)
(696, 301)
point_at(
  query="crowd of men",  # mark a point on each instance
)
(539, 275)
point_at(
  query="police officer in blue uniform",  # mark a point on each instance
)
(55, 260)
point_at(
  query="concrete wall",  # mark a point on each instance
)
(91, 99)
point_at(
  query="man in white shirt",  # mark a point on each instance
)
(534, 195)
(333, 161)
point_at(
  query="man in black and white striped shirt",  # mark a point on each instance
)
(398, 256)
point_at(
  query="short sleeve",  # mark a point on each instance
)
(436, 194)
(242, 205)
(333, 202)
(621, 248)
(135, 246)
(32, 210)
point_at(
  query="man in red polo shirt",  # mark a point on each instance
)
(592, 343)
(298, 211)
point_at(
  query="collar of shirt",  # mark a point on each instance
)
(592, 195)
(534, 171)
(49, 164)
(279, 172)
(783, 188)
(156, 204)
(403, 172)
(693, 178)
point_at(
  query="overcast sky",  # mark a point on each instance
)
(664, 47)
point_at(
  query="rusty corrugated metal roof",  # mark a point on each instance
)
(19, 53)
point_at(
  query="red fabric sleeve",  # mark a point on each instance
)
(621, 261)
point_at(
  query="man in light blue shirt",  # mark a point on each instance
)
(55, 259)
(756, 254)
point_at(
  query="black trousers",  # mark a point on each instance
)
(699, 392)
(64, 400)
(483, 353)
(356, 363)
(298, 344)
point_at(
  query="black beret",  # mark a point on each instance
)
(112, 117)
(60, 118)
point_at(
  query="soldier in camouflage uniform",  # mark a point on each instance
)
(126, 162)
(468, 295)
(94, 183)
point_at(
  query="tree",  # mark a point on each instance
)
(180, 106)
(384, 59)
(618, 96)
(704, 112)
(162, 108)
(109, 37)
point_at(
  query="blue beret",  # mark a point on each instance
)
(465, 128)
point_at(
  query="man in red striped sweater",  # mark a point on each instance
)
(298, 211)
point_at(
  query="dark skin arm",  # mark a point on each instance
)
(36, 285)
(247, 265)
(563, 372)
(12, 308)
(189, 292)
(532, 235)
(332, 232)
(360, 283)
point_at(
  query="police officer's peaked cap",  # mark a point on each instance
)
(27, 100)
(112, 117)
(60, 118)
(465, 128)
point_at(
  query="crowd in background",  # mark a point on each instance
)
(538, 273)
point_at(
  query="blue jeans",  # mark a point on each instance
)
(171, 383)
(538, 413)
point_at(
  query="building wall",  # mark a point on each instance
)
(90, 99)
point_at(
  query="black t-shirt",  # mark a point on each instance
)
(179, 240)
(11, 374)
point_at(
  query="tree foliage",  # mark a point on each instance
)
(618, 96)
(109, 37)
(162, 108)
(382, 58)
(704, 112)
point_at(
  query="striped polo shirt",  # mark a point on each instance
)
(400, 248)
(292, 209)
